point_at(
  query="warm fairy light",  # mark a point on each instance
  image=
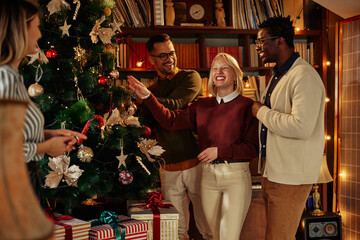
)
(139, 63)
(247, 85)
(297, 29)
(327, 99)
(328, 63)
(328, 137)
(210, 95)
(342, 174)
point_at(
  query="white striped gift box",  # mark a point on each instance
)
(80, 228)
(59, 232)
(134, 229)
(169, 219)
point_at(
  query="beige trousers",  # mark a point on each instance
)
(284, 205)
(181, 187)
(226, 196)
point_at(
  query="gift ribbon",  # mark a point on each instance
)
(111, 218)
(55, 220)
(153, 200)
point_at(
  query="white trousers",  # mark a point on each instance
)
(226, 196)
(179, 187)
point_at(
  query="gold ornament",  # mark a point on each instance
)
(122, 157)
(107, 11)
(139, 160)
(80, 54)
(60, 167)
(149, 146)
(85, 154)
(35, 90)
(57, 5)
(132, 109)
(114, 74)
(132, 121)
(104, 34)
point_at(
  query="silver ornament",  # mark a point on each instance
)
(35, 90)
(85, 154)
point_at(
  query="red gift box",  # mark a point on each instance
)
(134, 229)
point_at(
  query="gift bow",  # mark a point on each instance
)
(154, 201)
(111, 218)
(55, 220)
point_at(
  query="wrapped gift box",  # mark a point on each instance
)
(59, 232)
(169, 219)
(134, 229)
(80, 228)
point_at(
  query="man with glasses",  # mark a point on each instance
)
(180, 175)
(291, 129)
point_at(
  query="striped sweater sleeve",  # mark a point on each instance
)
(12, 87)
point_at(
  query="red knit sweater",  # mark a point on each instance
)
(229, 126)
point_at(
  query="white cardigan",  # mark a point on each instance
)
(295, 122)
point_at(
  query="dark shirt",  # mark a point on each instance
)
(278, 73)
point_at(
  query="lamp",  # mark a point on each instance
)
(324, 177)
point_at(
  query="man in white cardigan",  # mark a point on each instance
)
(291, 129)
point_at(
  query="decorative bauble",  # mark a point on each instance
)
(85, 154)
(102, 80)
(107, 11)
(132, 109)
(35, 90)
(146, 131)
(114, 74)
(51, 53)
(125, 177)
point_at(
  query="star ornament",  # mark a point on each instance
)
(65, 29)
(122, 159)
(61, 169)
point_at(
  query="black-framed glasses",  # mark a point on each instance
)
(261, 41)
(165, 56)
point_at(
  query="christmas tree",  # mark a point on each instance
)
(118, 160)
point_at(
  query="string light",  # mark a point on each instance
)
(328, 137)
(328, 63)
(327, 99)
(139, 63)
(298, 29)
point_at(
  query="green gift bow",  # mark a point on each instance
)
(111, 218)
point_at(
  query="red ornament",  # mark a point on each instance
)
(51, 53)
(100, 120)
(102, 81)
(146, 131)
(125, 177)
(84, 131)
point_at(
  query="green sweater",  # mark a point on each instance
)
(177, 93)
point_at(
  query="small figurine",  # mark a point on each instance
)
(220, 14)
(169, 13)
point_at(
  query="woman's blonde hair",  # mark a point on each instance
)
(238, 74)
(15, 15)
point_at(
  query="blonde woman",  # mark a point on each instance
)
(228, 140)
